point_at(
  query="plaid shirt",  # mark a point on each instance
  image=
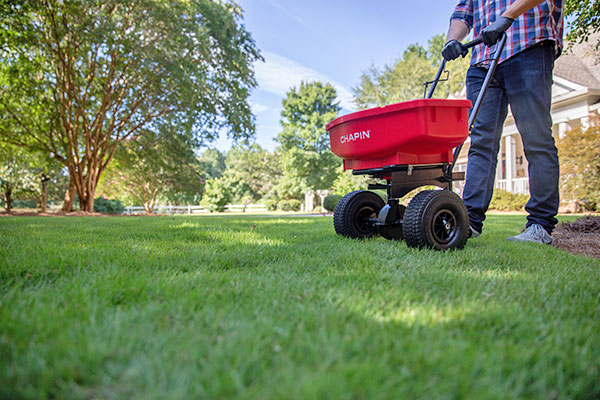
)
(543, 22)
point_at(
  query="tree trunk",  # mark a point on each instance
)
(148, 208)
(88, 202)
(44, 199)
(69, 197)
(85, 184)
(8, 199)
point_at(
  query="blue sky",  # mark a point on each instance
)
(331, 41)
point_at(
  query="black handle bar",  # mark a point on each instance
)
(472, 43)
(435, 81)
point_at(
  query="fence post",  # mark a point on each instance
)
(189, 209)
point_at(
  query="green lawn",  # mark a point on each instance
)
(206, 307)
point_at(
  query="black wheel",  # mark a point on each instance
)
(355, 214)
(393, 229)
(436, 219)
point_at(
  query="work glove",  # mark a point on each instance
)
(493, 31)
(452, 50)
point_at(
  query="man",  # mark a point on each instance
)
(522, 80)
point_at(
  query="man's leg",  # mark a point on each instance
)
(528, 84)
(485, 143)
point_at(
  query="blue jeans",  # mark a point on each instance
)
(524, 82)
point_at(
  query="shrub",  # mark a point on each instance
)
(507, 201)
(108, 206)
(331, 201)
(284, 205)
(271, 205)
(24, 204)
(217, 194)
(290, 205)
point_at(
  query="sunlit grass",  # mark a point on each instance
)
(253, 307)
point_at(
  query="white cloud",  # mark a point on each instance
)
(278, 74)
(258, 108)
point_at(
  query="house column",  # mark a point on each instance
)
(562, 129)
(510, 162)
(585, 123)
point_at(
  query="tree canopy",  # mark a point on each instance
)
(579, 152)
(307, 161)
(404, 79)
(81, 76)
(152, 164)
(584, 20)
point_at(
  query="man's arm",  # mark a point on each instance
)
(458, 31)
(519, 7)
(492, 33)
(461, 22)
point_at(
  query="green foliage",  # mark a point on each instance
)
(583, 18)
(331, 201)
(217, 194)
(404, 79)
(212, 163)
(579, 153)
(24, 204)
(79, 77)
(154, 163)
(252, 171)
(503, 200)
(289, 205)
(346, 182)
(306, 160)
(271, 205)
(21, 172)
(108, 206)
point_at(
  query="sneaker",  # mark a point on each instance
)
(473, 233)
(534, 233)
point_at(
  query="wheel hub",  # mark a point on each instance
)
(363, 219)
(444, 226)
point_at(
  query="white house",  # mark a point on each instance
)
(575, 102)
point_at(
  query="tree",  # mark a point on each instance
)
(404, 80)
(152, 164)
(345, 182)
(252, 171)
(80, 76)
(26, 176)
(584, 20)
(579, 153)
(16, 177)
(306, 159)
(212, 162)
(217, 194)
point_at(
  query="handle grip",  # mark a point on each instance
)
(472, 43)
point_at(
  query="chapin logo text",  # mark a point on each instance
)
(355, 136)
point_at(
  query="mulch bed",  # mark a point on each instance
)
(579, 237)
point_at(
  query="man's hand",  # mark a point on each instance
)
(452, 50)
(493, 31)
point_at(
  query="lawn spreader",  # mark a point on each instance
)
(409, 145)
